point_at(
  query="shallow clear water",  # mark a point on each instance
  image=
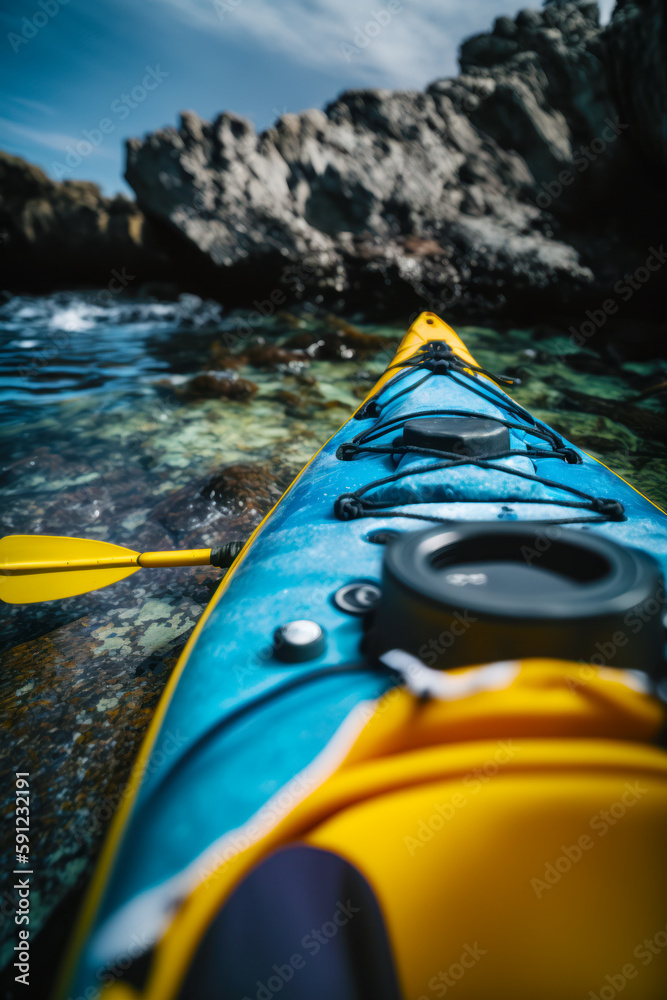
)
(103, 387)
(77, 377)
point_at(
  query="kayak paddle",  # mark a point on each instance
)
(48, 567)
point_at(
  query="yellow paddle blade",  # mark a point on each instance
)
(48, 567)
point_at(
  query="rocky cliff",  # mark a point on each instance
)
(530, 184)
(68, 234)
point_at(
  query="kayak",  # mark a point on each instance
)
(414, 743)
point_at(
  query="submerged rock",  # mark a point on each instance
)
(76, 703)
(644, 423)
(338, 340)
(212, 385)
(265, 355)
(223, 507)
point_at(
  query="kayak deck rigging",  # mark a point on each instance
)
(437, 358)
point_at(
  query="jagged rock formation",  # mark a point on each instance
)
(55, 234)
(528, 185)
(517, 186)
(636, 42)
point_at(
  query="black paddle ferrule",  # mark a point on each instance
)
(224, 555)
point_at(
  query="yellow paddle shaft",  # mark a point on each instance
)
(185, 557)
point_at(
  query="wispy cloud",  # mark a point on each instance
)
(37, 106)
(416, 45)
(55, 141)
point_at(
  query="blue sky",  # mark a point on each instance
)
(78, 77)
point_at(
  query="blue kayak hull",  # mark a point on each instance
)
(190, 792)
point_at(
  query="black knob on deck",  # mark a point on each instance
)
(299, 641)
(478, 436)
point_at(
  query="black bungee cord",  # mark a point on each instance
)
(438, 359)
